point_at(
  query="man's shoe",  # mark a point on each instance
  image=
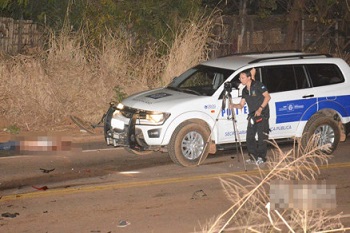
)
(259, 161)
(250, 161)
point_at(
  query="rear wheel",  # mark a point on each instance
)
(326, 131)
(187, 146)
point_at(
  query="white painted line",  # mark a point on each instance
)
(17, 156)
(129, 172)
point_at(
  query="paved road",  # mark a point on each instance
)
(96, 190)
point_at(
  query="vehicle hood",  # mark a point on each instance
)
(160, 99)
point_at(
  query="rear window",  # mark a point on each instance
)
(324, 74)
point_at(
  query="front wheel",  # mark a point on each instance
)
(326, 131)
(187, 146)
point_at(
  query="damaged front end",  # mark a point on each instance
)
(123, 124)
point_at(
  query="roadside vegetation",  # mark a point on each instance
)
(252, 198)
(96, 52)
(71, 77)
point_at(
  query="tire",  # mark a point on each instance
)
(326, 128)
(187, 146)
(137, 152)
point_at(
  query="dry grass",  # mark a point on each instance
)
(189, 47)
(72, 78)
(250, 196)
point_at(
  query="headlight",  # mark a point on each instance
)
(155, 118)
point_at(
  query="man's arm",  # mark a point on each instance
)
(267, 98)
(240, 105)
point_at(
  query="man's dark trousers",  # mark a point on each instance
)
(258, 149)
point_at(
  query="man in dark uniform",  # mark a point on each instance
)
(257, 97)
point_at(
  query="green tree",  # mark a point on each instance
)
(146, 20)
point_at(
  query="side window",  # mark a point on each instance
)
(278, 78)
(236, 83)
(324, 74)
(301, 77)
(284, 78)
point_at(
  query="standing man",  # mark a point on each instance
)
(257, 97)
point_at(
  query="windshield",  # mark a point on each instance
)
(200, 80)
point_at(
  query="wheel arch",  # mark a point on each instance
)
(329, 112)
(326, 127)
(195, 117)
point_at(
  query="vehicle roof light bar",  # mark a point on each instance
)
(300, 56)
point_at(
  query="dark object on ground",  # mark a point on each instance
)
(198, 194)
(123, 223)
(43, 188)
(47, 170)
(9, 215)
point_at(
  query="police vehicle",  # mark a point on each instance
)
(188, 120)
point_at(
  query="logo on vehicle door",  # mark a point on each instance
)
(290, 107)
(210, 106)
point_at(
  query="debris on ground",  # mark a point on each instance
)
(83, 125)
(123, 223)
(43, 188)
(9, 215)
(47, 170)
(198, 194)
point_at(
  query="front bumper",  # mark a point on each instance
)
(127, 134)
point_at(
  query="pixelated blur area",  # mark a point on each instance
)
(47, 144)
(302, 195)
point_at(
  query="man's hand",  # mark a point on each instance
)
(258, 112)
(232, 105)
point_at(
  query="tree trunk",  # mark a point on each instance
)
(293, 35)
(242, 43)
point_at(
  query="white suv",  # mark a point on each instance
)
(310, 93)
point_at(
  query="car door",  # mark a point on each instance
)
(229, 122)
(291, 97)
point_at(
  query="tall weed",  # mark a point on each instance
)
(72, 77)
(249, 195)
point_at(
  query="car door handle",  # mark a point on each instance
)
(308, 96)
